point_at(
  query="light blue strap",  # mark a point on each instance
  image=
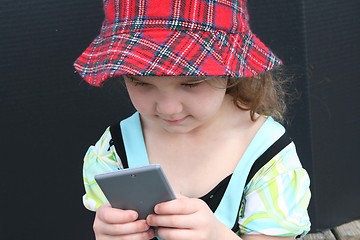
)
(228, 208)
(134, 141)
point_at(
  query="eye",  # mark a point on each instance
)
(137, 82)
(191, 85)
(194, 83)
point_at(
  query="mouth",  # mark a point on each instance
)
(177, 121)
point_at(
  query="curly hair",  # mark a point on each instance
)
(264, 94)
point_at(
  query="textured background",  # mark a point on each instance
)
(49, 117)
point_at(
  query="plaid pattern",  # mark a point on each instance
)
(174, 38)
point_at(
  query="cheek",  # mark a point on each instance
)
(139, 100)
(210, 102)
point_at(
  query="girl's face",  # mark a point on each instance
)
(177, 104)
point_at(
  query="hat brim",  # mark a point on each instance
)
(163, 52)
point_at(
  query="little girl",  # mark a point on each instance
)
(207, 105)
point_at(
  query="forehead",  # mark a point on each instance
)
(163, 78)
(175, 78)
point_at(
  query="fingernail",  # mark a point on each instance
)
(134, 215)
(156, 208)
(151, 232)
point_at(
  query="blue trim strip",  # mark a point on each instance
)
(228, 208)
(134, 141)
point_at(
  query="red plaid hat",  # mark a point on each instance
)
(174, 38)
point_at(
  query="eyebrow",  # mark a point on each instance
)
(196, 80)
(184, 79)
(133, 78)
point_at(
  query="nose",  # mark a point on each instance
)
(169, 104)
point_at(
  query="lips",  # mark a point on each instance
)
(174, 121)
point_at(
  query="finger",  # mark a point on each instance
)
(124, 229)
(176, 234)
(137, 236)
(113, 215)
(180, 206)
(171, 221)
(178, 195)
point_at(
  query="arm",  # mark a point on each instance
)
(264, 237)
(187, 218)
(276, 205)
(278, 196)
(191, 218)
(98, 159)
(230, 235)
(109, 223)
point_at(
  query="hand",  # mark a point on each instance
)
(112, 223)
(185, 218)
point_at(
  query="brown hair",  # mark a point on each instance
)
(264, 94)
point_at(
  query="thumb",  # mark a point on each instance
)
(179, 195)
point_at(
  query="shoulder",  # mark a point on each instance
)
(284, 162)
(278, 196)
(101, 156)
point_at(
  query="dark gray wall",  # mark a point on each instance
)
(319, 41)
(49, 117)
(333, 57)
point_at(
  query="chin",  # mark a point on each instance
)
(178, 129)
